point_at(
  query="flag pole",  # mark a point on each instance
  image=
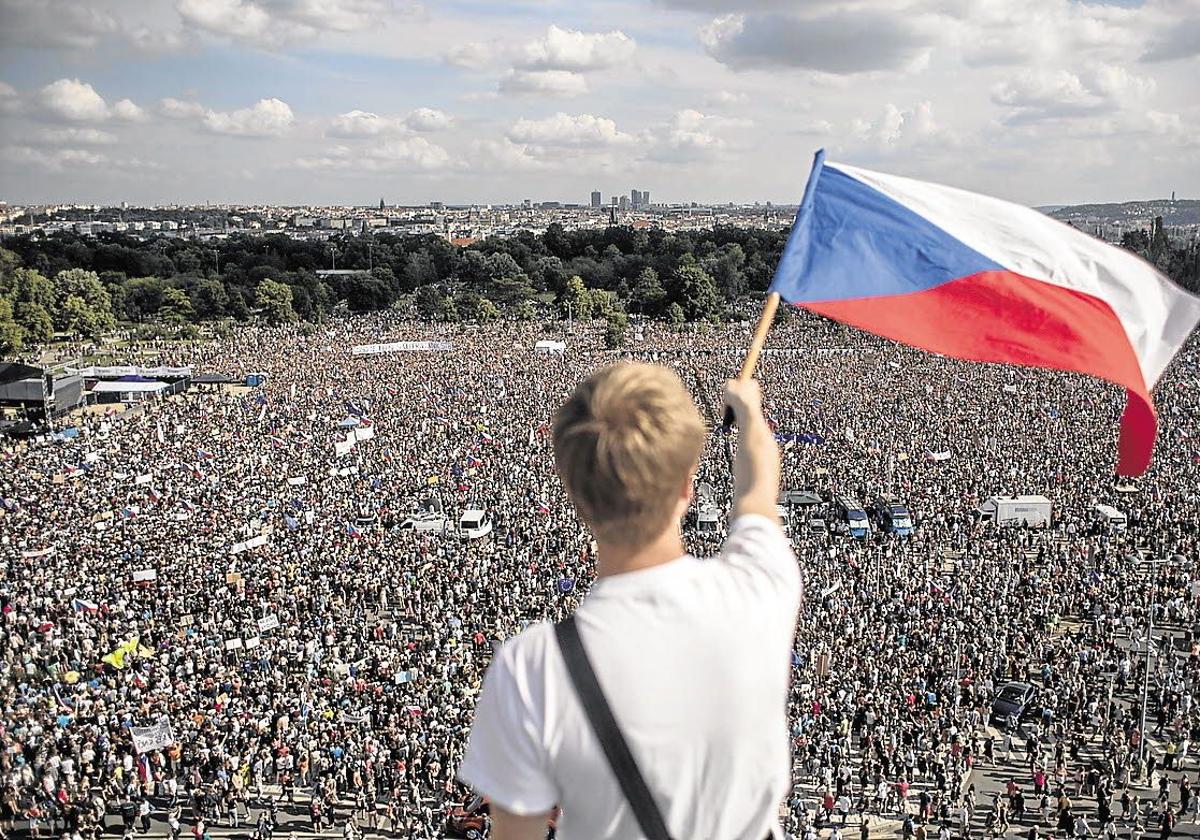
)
(756, 346)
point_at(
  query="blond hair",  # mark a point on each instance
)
(625, 442)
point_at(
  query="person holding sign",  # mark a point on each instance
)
(659, 708)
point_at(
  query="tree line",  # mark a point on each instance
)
(82, 286)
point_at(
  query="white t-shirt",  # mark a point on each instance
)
(694, 657)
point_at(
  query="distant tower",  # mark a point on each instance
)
(645, 198)
(596, 198)
(381, 204)
(1172, 195)
(635, 199)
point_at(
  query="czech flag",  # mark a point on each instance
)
(981, 279)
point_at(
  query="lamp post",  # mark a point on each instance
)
(1152, 564)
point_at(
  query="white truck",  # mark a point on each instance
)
(1011, 511)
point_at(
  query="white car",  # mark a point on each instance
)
(475, 524)
(425, 522)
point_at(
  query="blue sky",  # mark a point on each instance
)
(341, 101)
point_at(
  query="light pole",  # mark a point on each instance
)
(1146, 682)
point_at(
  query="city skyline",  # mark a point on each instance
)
(289, 102)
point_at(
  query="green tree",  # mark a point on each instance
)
(9, 263)
(447, 309)
(524, 311)
(676, 315)
(33, 317)
(604, 303)
(615, 329)
(12, 334)
(33, 286)
(420, 270)
(209, 299)
(275, 301)
(695, 291)
(488, 311)
(75, 317)
(647, 295)
(86, 286)
(726, 268)
(428, 300)
(176, 306)
(575, 301)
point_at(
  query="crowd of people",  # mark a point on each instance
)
(225, 567)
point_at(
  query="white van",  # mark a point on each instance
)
(427, 522)
(474, 524)
(1110, 517)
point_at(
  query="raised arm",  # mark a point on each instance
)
(756, 465)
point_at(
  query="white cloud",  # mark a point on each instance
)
(544, 82)
(900, 126)
(71, 99)
(505, 156)
(366, 124)
(427, 120)
(361, 124)
(52, 160)
(475, 55)
(410, 153)
(575, 51)
(73, 136)
(565, 130)
(235, 18)
(62, 24)
(1044, 94)
(177, 109)
(1178, 39)
(689, 136)
(724, 98)
(843, 42)
(265, 118)
(127, 111)
(272, 23)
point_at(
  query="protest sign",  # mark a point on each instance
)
(156, 737)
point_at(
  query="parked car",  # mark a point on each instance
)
(425, 521)
(1013, 701)
(474, 524)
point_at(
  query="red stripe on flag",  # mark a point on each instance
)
(1004, 317)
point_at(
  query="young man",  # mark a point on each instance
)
(692, 655)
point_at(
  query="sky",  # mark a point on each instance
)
(489, 101)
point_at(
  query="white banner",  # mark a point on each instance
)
(363, 433)
(401, 347)
(268, 622)
(343, 447)
(145, 575)
(233, 644)
(297, 480)
(145, 478)
(156, 737)
(253, 642)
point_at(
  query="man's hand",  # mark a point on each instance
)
(744, 397)
(509, 826)
(756, 467)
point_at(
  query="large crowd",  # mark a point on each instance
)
(331, 665)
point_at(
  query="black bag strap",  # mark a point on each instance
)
(600, 715)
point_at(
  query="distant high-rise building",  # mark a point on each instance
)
(624, 202)
(596, 197)
(614, 201)
(527, 203)
(635, 199)
(381, 204)
(645, 198)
